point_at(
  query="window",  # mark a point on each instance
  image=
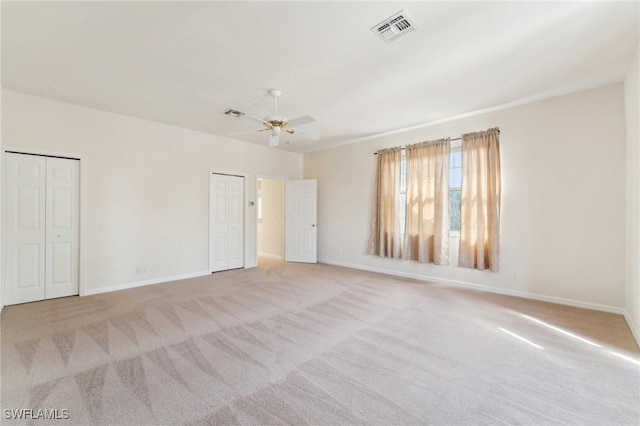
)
(455, 187)
(402, 200)
(410, 210)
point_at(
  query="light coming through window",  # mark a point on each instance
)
(455, 189)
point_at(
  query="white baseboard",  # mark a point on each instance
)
(481, 287)
(632, 327)
(270, 256)
(135, 284)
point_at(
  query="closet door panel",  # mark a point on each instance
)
(236, 222)
(62, 212)
(226, 222)
(25, 183)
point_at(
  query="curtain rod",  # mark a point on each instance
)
(453, 139)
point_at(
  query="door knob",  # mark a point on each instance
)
(313, 226)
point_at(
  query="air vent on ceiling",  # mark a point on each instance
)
(394, 27)
(233, 113)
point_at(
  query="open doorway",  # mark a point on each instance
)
(270, 216)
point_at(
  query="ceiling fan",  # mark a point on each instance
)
(276, 124)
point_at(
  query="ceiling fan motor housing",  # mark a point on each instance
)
(276, 120)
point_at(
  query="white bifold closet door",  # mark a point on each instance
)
(42, 227)
(226, 222)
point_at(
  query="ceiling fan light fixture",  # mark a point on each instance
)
(274, 139)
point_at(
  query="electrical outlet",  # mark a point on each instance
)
(339, 252)
(144, 269)
(515, 277)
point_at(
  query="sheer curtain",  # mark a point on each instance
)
(427, 230)
(480, 201)
(386, 238)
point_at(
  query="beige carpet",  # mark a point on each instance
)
(316, 344)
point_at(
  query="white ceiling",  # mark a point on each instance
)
(185, 63)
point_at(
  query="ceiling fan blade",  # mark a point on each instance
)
(307, 135)
(305, 119)
(253, 117)
(236, 114)
(274, 139)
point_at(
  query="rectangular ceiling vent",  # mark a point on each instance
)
(394, 27)
(233, 113)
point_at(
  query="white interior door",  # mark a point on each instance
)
(62, 223)
(226, 210)
(236, 222)
(42, 220)
(25, 228)
(301, 232)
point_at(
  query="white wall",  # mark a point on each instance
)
(1, 221)
(271, 229)
(148, 185)
(632, 104)
(563, 227)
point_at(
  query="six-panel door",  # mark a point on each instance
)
(226, 209)
(62, 227)
(300, 221)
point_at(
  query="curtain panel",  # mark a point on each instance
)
(426, 237)
(480, 201)
(386, 236)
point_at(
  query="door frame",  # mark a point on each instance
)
(82, 230)
(284, 195)
(244, 214)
